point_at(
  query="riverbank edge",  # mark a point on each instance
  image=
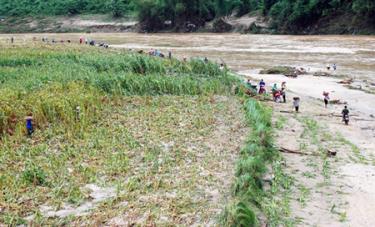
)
(254, 195)
(106, 24)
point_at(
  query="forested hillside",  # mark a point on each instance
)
(155, 15)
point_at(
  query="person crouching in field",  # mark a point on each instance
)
(29, 124)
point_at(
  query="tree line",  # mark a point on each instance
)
(284, 14)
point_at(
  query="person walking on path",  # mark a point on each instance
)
(345, 115)
(326, 99)
(296, 102)
(283, 91)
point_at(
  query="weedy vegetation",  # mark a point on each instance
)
(139, 136)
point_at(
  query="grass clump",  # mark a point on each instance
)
(34, 175)
(259, 153)
(283, 70)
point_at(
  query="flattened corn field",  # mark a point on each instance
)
(154, 142)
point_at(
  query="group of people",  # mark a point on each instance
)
(158, 53)
(46, 40)
(92, 42)
(344, 112)
(334, 67)
(82, 40)
(279, 95)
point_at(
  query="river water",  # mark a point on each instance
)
(354, 55)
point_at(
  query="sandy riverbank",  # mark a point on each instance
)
(347, 198)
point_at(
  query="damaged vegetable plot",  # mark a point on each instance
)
(121, 138)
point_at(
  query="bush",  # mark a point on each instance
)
(34, 175)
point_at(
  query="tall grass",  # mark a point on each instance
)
(251, 167)
(50, 82)
(55, 103)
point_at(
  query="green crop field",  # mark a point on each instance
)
(123, 138)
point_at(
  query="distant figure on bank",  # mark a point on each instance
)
(29, 124)
(81, 40)
(205, 60)
(283, 91)
(12, 39)
(328, 67)
(326, 98)
(334, 67)
(296, 102)
(222, 67)
(92, 43)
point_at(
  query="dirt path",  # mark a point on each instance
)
(329, 191)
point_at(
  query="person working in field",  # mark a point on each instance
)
(29, 124)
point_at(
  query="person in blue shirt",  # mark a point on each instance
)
(262, 87)
(262, 83)
(29, 124)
